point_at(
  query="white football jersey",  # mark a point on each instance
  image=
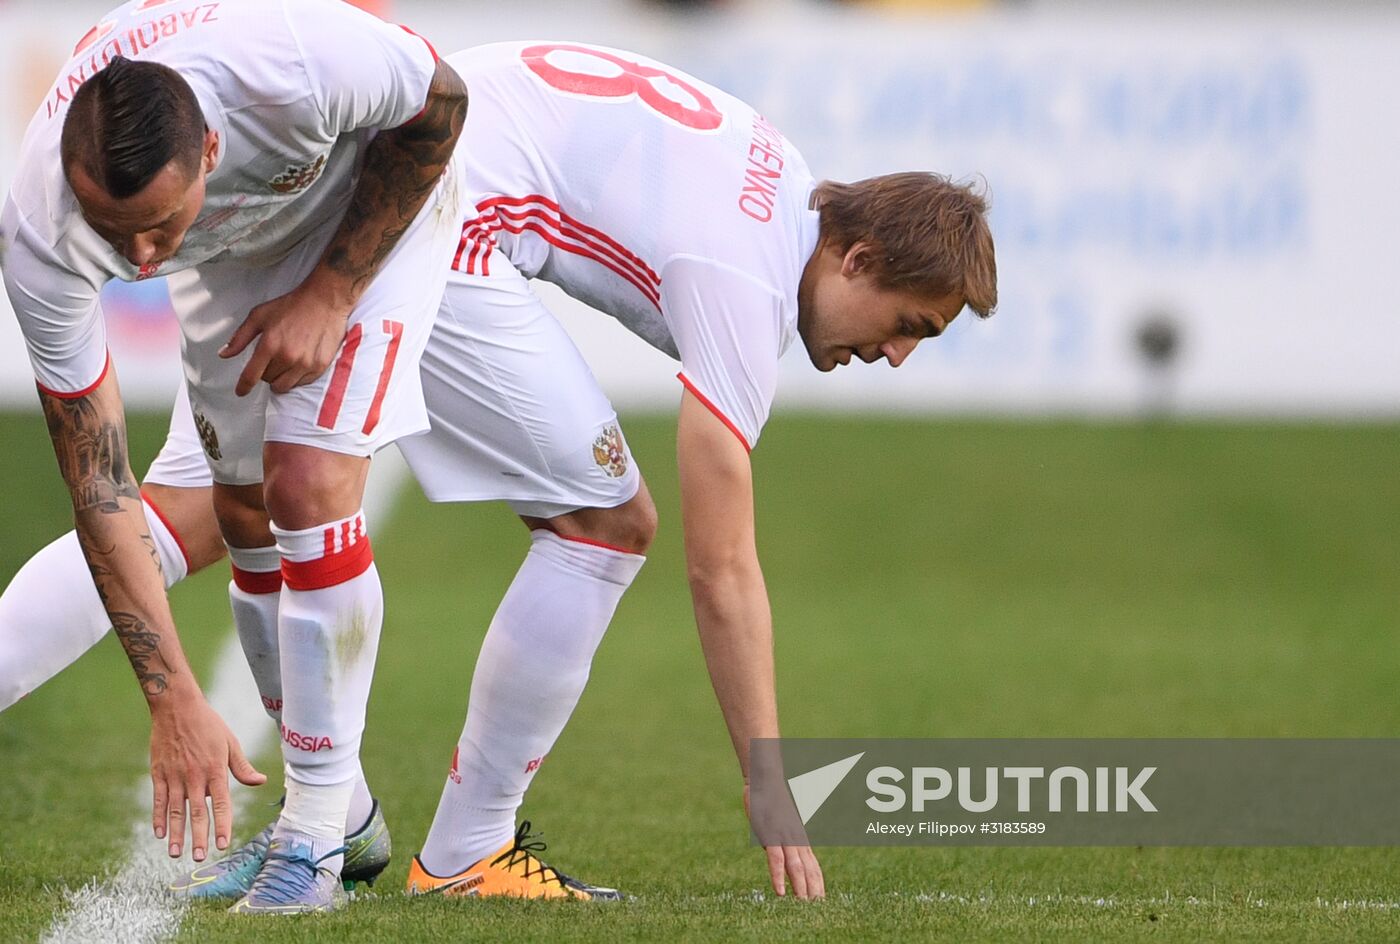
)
(648, 194)
(294, 89)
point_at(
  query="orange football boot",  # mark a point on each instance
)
(513, 871)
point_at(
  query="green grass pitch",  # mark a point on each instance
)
(928, 578)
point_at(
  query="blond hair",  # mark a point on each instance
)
(930, 235)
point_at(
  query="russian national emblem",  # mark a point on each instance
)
(207, 437)
(610, 452)
(297, 177)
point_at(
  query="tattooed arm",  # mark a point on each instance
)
(302, 329)
(89, 438)
(190, 745)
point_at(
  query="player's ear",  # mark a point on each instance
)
(857, 259)
(210, 156)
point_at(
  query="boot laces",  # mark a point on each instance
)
(287, 876)
(254, 849)
(523, 852)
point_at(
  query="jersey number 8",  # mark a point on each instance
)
(635, 79)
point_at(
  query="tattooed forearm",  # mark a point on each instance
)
(143, 650)
(89, 437)
(91, 455)
(401, 169)
(97, 555)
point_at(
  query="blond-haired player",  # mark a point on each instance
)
(683, 213)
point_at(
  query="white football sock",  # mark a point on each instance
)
(254, 594)
(532, 669)
(361, 805)
(318, 822)
(329, 618)
(50, 614)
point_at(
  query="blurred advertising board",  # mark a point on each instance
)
(1187, 220)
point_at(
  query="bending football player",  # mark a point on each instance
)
(684, 214)
(304, 218)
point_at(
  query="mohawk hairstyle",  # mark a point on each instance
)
(127, 122)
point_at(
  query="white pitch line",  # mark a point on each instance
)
(764, 898)
(133, 907)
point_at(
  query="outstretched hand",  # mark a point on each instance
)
(191, 748)
(794, 863)
(297, 336)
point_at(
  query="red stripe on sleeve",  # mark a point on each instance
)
(436, 60)
(328, 571)
(335, 394)
(395, 331)
(462, 246)
(558, 241)
(540, 215)
(83, 392)
(714, 409)
(522, 205)
(251, 581)
(175, 535)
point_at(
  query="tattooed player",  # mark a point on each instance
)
(284, 164)
(684, 214)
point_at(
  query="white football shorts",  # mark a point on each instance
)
(515, 413)
(369, 396)
(180, 462)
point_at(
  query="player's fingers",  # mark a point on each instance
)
(816, 882)
(175, 816)
(311, 375)
(246, 332)
(253, 370)
(223, 810)
(283, 372)
(238, 764)
(777, 870)
(288, 380)
(158, 807)
(795, 871)
(199, 817)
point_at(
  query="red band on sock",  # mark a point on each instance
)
(330, 570)
(592, 543)
(174, 535)
(252, 581)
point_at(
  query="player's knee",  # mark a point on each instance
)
(628, 527)
(643, 520)
(241, 515)
(631, 525)
(189, 514)
(306, 487)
